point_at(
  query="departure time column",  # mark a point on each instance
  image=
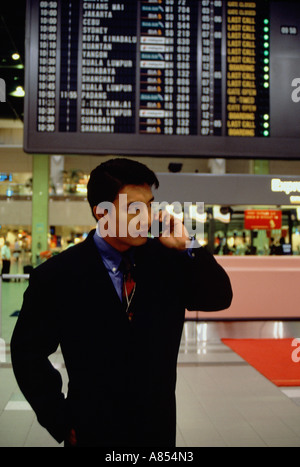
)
(47, 66)
(69, 64)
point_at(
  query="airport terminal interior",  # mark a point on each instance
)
(206, 94)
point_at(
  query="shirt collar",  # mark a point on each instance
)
(111, 257)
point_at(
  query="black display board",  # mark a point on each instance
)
(210, 78)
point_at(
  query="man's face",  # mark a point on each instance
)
(130, 221)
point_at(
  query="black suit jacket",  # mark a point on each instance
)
(122, 375)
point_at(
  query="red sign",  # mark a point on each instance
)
(263, 220)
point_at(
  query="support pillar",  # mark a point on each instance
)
(40, 206)
(261, 167)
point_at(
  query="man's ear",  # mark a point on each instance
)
(99, 212)
(96, 213)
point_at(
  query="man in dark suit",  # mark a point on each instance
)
(120, 348)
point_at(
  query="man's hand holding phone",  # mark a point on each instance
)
(172, 232)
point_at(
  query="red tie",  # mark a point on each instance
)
(128, 285)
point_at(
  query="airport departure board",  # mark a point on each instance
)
(209, 78)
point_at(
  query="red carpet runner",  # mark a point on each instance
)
(276, 359)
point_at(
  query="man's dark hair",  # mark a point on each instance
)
(109, 178)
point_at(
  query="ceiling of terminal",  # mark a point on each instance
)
(12, 59)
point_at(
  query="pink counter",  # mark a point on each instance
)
(263, 288)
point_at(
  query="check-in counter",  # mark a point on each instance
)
(263, 288)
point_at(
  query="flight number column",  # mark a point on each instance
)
(211, 67)
(168, 67)
(156, 112)
(186, 67)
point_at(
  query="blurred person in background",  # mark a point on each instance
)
(6, 259)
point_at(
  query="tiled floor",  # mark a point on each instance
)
(221, 400)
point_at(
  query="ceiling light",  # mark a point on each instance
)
(15, 56)
(18, 92)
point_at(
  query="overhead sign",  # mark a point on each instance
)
(286, 187)
(263, 220)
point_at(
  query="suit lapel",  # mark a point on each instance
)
(97, 276)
